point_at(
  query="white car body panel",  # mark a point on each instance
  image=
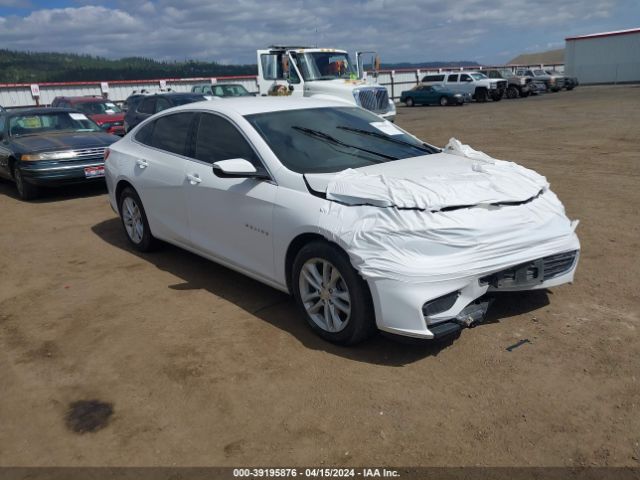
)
(249, 224)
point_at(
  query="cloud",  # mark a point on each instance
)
(233, 30)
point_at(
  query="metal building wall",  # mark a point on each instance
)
(606, 59)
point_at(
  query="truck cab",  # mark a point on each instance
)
(322, 73)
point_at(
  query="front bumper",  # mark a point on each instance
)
(399, 305)
(52, 173)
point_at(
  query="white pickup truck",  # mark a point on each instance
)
(477, 84)
(322, 73)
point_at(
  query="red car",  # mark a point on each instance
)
(102, 111)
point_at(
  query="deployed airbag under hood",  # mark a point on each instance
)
(459, 176)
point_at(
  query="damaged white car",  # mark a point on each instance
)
(368, 227)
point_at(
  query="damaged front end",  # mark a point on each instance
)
(434, 235)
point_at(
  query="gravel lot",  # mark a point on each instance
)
(203, 366)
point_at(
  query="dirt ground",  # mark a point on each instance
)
(203, 366)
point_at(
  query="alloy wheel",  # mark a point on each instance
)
(325, 295)
(132, 218)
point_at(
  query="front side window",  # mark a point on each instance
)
(171, 131)
(325, 65)
(452, 78)
(218, 139)
(33, 124)
(272, 66)
(333, 139)
(465, 78)
(162, 104)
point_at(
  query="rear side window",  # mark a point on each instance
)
(452, 78)
(171, 131)
(145, 134)
(162, 104)
(218, 139)
(147, 106)
(433, 78)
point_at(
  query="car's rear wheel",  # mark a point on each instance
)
(444, 101)
(334, 299)
(409, 102)
(512, 92)
(26, 190)
(134, 221)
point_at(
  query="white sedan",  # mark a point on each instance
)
(368, 227)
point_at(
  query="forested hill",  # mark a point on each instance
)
(35, 67)
(29, 67)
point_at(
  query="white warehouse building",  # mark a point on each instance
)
(610, 57)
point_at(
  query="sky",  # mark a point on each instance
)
(230, 31)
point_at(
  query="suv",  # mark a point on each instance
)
(222, 90)
(143, 107)
(104, 112)
(476, 84)
(516, 86)
(552, 80)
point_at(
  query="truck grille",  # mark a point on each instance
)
(502, 84)
(373, 99)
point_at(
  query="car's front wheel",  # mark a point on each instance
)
(334, 299)
(409, 102)
(444, 101)
(134, 221)
(26, 190)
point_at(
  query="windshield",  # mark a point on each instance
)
(97, 108)
(325, 66)
(321, 140)
(539, 72)
(230, 91)
(34, 124)
(478, 76)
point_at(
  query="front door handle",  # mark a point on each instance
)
(142, 163)
(193, 178)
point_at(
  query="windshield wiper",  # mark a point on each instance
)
(426, 148)
(328, 138)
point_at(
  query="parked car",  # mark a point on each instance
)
(367, 226)
(553, 82)
(148, 105)
(476, 84)
(432, 95)
(517, 86)
(52, 147)
(569, 82)
(222, 90)
(104, 112)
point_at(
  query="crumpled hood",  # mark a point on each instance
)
(459, 176)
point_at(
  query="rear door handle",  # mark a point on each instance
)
(142, 163)
(193, 178)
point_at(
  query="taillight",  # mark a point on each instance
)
(107, 152)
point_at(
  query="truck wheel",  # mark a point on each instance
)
(444, 102)
(496, 97)
(26, 190)
(409, 102)
(481, 95)
(512, 92)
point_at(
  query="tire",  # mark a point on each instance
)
(512, 92)
(134, 221)
(26, 190)
(444, 101)
(341, 313)
(409, 102)
(496, 97)
(481, 95)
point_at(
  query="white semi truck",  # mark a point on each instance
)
(321, 73)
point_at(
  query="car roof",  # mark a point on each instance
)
(252, 105)
(84, 99)
(39, 111)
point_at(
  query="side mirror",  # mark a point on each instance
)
(236, 168)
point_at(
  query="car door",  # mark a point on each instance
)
(466, 84)
(158, 174)
(428, 96)
(5, 150)
(452, 83)
(145, 109)
(229, 218)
